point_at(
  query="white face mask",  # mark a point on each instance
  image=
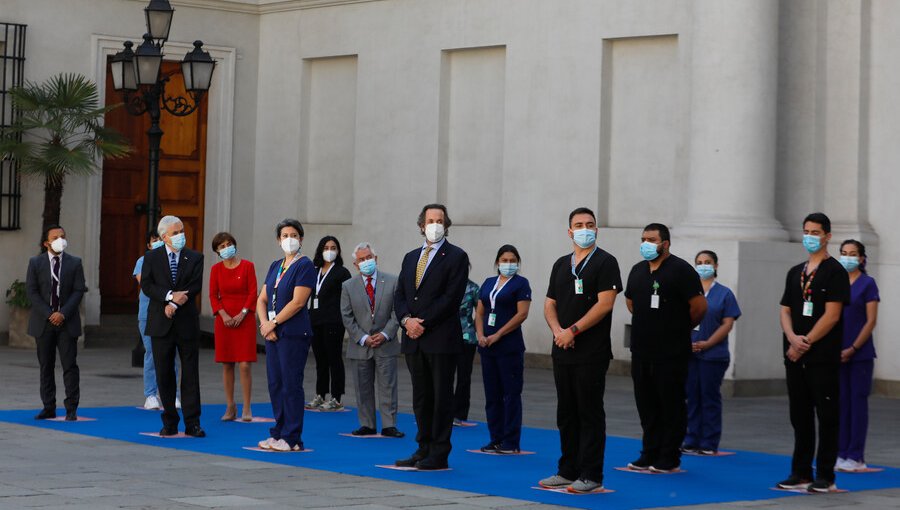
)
(329, 255)
(290, 245)
(434, 232)
(59, 245)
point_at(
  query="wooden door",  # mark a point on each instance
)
(182, 177)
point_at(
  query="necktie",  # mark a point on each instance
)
(173, 266)
(371, 292)
(420, 267)
(54, 286)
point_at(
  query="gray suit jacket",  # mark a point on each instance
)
(358, 320)
(71, 290)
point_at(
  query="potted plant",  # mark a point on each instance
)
(19, 309)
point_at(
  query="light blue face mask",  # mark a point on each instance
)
(850, 263)
(585, 237)
(706, 271)
(812, 243)
(178, 241)
(367, 267)
(649, 250)
(156, 244)
(228, 252)
(508, 269)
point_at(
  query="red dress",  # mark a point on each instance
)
(234, 289)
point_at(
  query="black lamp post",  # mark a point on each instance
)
(137, 74)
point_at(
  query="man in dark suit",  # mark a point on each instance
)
(55, 286)
(430, 287)
(172, 277)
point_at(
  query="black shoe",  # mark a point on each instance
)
(794, 482)
(166, 431)
(71, 415)
(195, 431)
(822, 485)
(392, 432)
(507, 451)
(431, 465)
(364, 431)
(641, 464)
(490, 448)
(411, 460)
(690, 449)
(45, 414)
(665, 467)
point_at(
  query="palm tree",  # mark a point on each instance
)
(63, 135)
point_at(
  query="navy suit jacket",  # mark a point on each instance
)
(71, 290)
(436, 301)
(156, 282)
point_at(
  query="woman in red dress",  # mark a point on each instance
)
(232, 294)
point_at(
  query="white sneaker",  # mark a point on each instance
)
(152, 402)
(282, 446)
(839, 464)
(177, 403)
(853, 465)
(266, 444)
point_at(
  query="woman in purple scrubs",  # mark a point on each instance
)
(857, 358)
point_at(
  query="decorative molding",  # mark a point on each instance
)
(261, 6)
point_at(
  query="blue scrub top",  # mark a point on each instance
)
(143, 299)
(301, 273)
(507, 301)
(721, 303)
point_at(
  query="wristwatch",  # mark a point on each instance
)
(274, 321)
(574, 329)
(403, 320)
(243, 310)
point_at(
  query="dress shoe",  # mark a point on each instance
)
(364, 431)
(195, 431)
(431, 465)
(71, 415)
(45, 414)
(411, 461)
(392, 432)
(167, 431)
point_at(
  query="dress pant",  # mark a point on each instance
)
(432, 384)
(463, 392)
(856, 384)
(704, 403)
(57, 338)
(503, 379)
(328, 349)
(285, 361)
(660, 399)
(581, 418)
(376, 375)
(814, 392)
(165, 348)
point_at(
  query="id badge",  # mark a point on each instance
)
(579, 286)
(654, 301)
(315, 303)
(492, 319)
(272, 315)
(807, 308)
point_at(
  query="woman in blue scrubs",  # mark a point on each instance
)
(284, 323)
(502, 308)
(709, 360)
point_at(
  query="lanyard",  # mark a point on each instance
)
(281, 272)
(496, 290)
(321, 279)
(583, 264)
(806, 282)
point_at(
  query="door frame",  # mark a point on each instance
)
(219, 143)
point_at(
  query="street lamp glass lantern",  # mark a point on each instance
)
(122, 69)
(197, 68)
(147, 60)
(159, 20)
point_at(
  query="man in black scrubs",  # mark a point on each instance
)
(578, 309)
(815, 292)
(665, 297)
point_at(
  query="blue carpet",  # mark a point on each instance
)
(745, 476)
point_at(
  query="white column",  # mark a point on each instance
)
(734, 71)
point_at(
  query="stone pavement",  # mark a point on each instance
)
(58, 469)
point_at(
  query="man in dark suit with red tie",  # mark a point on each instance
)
(172, 278)
(430, 287)
(55, 285)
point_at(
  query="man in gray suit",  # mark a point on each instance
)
(55, 286)
(367, 310)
